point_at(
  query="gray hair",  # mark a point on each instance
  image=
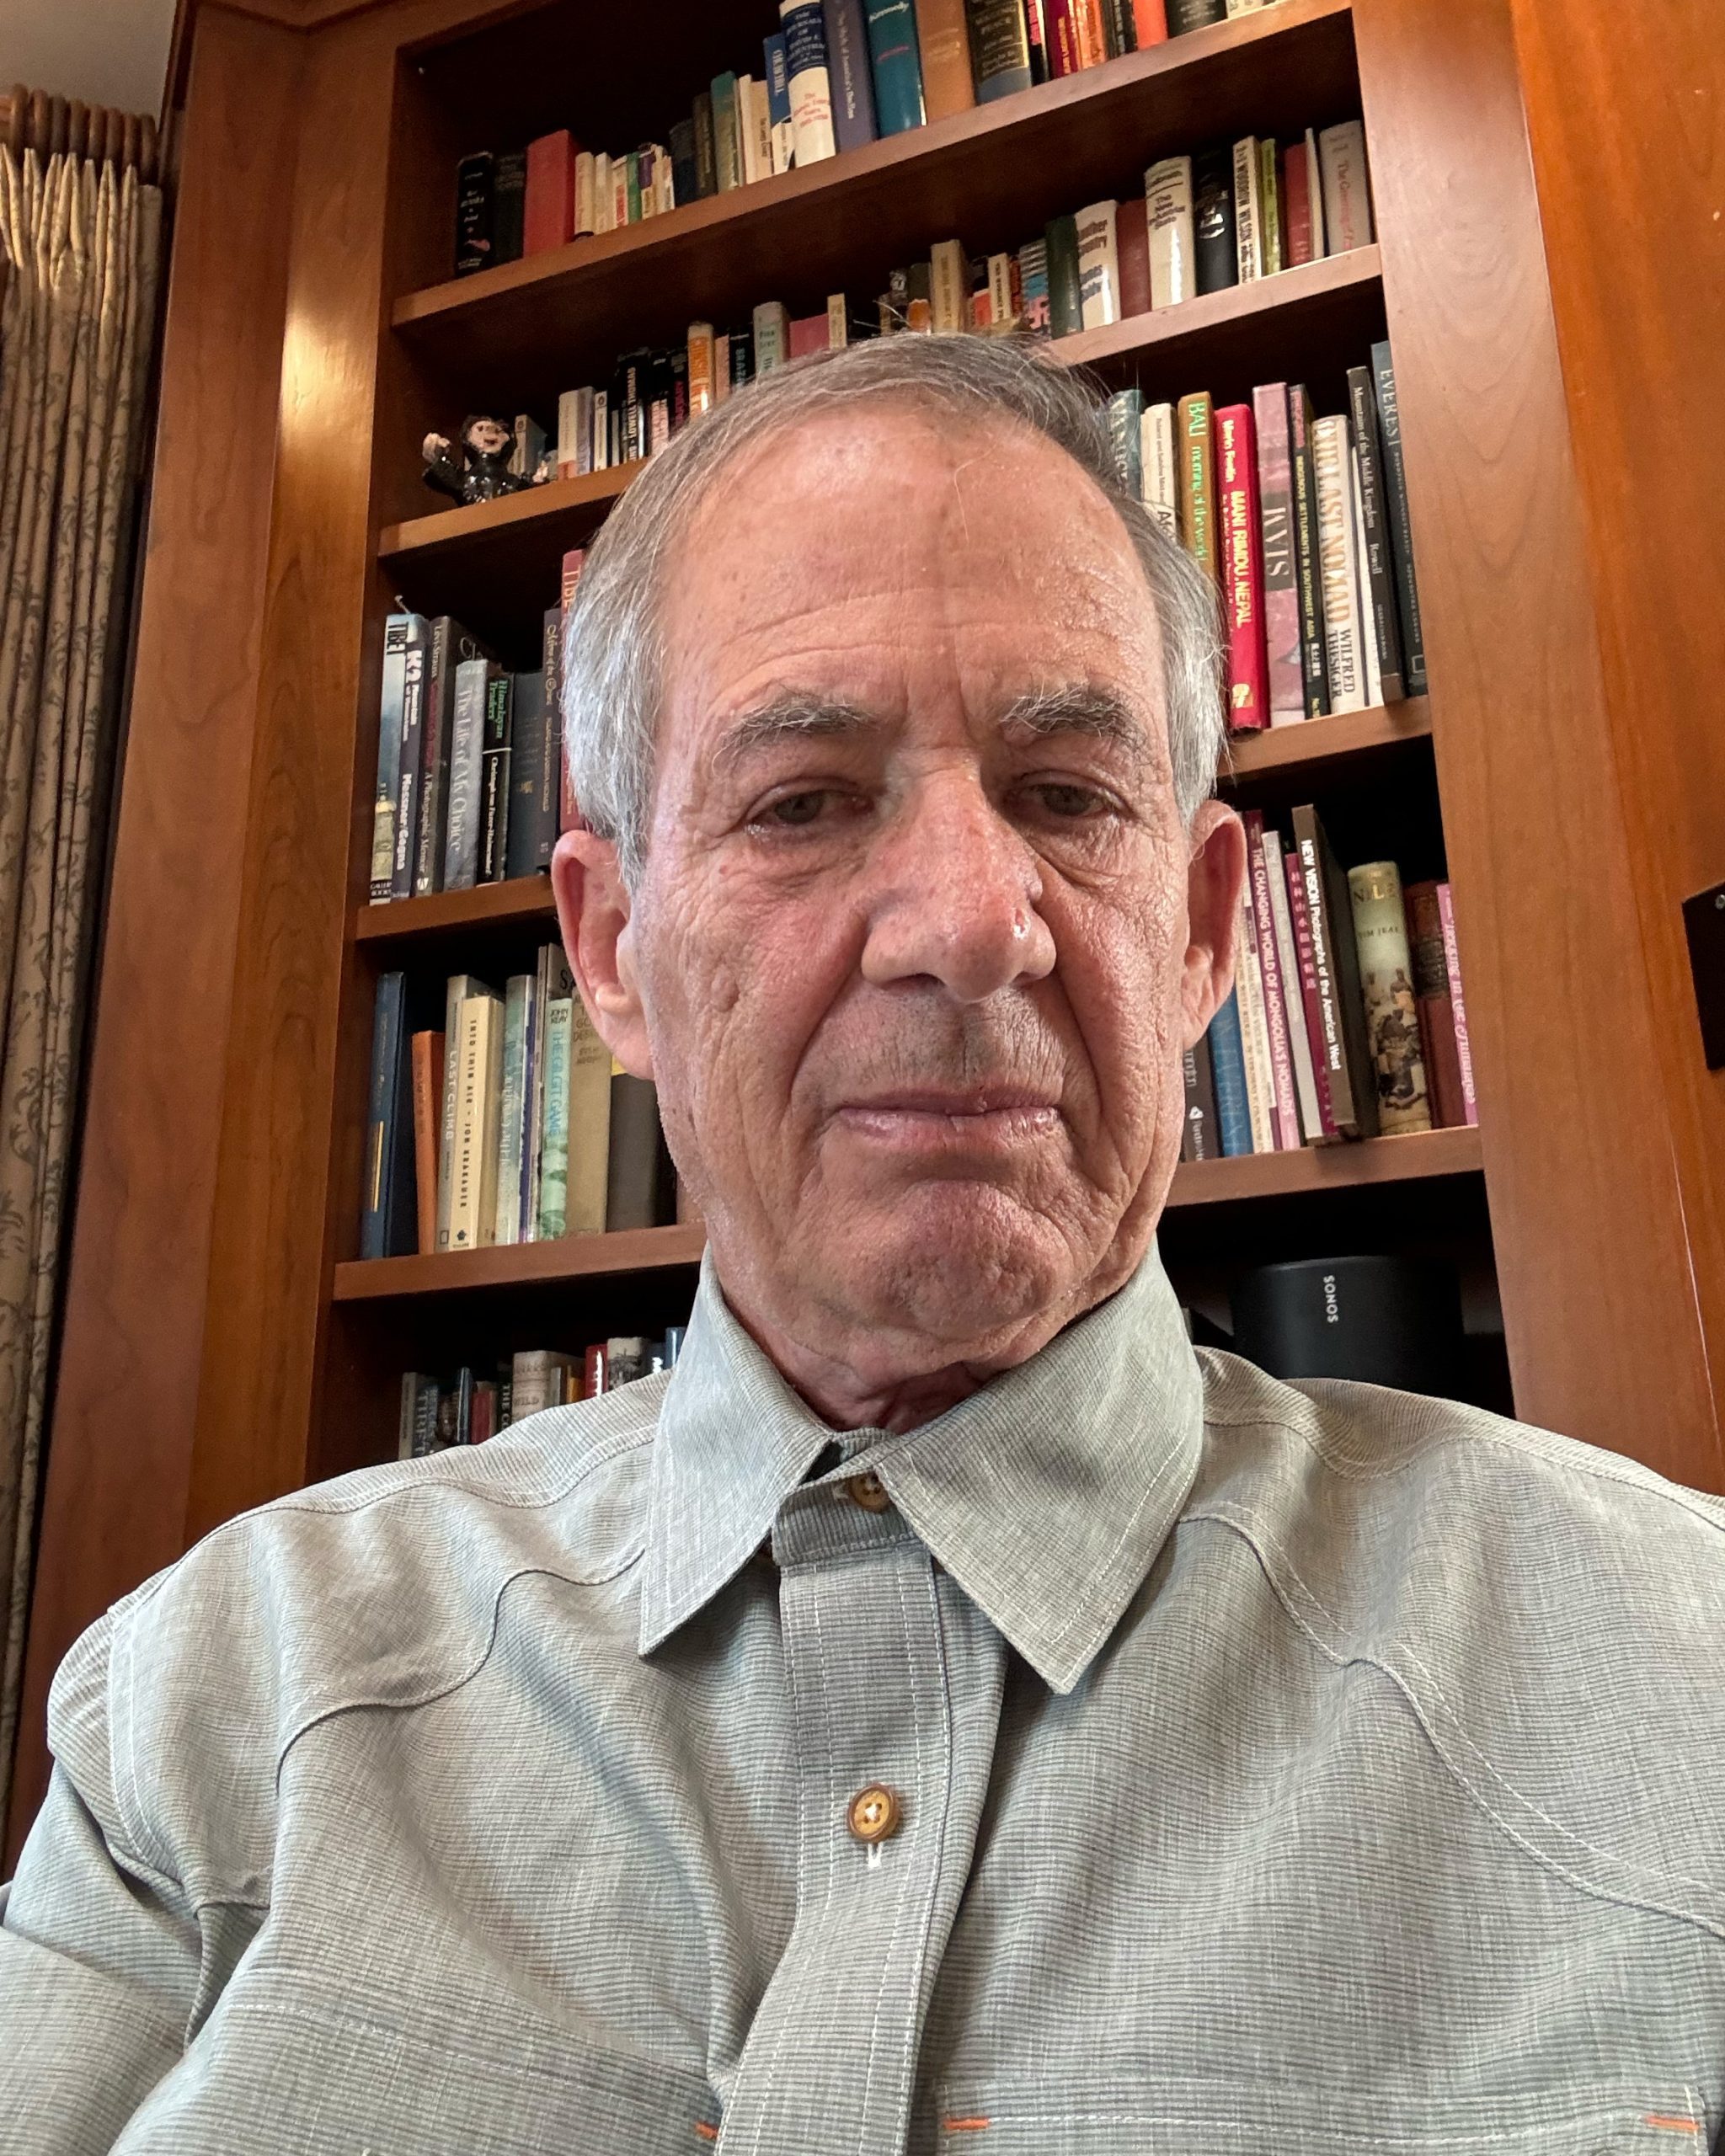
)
(613, 641)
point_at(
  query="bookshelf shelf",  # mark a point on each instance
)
(1317, 742)
(650, 1250)
(552, 318)
(524, 899)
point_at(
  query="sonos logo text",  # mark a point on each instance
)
(1332, 1316)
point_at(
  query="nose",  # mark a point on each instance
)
(955, 896)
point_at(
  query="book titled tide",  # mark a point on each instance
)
(1242, 567)
(897, 65)
(804, 26)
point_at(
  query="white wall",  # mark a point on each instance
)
(104, 51)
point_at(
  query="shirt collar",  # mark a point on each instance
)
(1047, 1494)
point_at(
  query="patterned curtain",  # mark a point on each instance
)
(80, 244)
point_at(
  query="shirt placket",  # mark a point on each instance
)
(895, 1680)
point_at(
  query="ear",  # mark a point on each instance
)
(1215, 870)
(593, 913)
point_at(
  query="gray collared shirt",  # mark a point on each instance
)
(1308, 1769)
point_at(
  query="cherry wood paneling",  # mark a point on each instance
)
(1587, 1212)
(1626, 117)
(119, 1454)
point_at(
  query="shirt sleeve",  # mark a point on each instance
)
(102, 1960)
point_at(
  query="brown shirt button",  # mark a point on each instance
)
(867, 1491)
(874, 1813)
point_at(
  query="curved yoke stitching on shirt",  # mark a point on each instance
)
(1249, 1527)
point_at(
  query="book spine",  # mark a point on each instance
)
(1125, 423)
(1092, 33)
(852, 78)
(428, 1120)
(1353, 1086)
(1458, 1007)
(1150, 22)
(706, 150)
(1098, 266)
(1296, 206)
(811, 82)
(470, 1078)
(1065, 57)
(1000, 48)
(506, 1226)
(1312, 1120)
(1227, 1063)
(386, 1108)
(460, 847)
(1132, 244)
(1254, 1033)
(632, 1183)
(896, 65)
(1317, 1029)
(727, 134)
(1199, 1139)
(1276, 1004)
(1362, 581)
(943, 41)
(494, 780)
(455, 995)
(1347, 193)
(1248, 223)
(950, 287)
(554, 1141)
(773, 336)
(1161, 472)
(778, 100)
(532, 818)
(390, 696)
(1269, 207)
(1314, 668)
(1395, 474)
(1386, 990)
(1215, 253)
(549, 216)
(404, 1421)
(1065, 302)
(1197, 525)
(474, 244)
(1285, 671)
(586, 210)
(1344, 659)
(1185, 16)
(1437, 1011)
(407, 794)
(434, 758)
(1374, 531)
(588, 1112)
(1243, 567)
(1167, 196)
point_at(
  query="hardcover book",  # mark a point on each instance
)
(391, 697)
(851, 75)
(943, 41)
(1000, 48)
(1215, 253)
(1194, 435)
(896, 64)
(1386, 990)
(1347, 193)
(1315, 676)
(1098, 266)
(1168, 194)
(473, 244)
(1285, 670)
(1379, 581)
(1065, 307)
(1395, 477)
(1344, 661)
(804, 28)
(1346, 1053)
(1132, 244)
(1242, 567)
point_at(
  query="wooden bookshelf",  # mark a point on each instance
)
(313, 337)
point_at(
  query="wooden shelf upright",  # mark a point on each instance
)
(221, 1345)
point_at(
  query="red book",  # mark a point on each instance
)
(1132, 241)
(1062, 29)
(1452, 961)
(1275, 1000)
(1149, 19)
(549, 216)
(1295, 192)
(1240, 556)
(569, 814)
(1435, 1004)
(593, 1371)
(1093, 33)
(1284, 663)
(1305, 953)
(808, 335)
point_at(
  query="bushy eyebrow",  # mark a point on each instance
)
(1072, 708)
(1076, 707)
(797, 714)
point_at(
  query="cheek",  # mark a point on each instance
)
(1121, 970)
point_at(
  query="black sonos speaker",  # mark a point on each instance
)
(1383, 1320)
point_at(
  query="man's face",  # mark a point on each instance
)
(919, 936)
(488, 437)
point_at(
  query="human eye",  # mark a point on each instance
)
(804, 808)
(1068, 800)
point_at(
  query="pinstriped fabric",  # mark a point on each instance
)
(1311, 1768)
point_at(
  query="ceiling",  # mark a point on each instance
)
(105, 51)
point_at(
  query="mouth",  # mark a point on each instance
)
(939, 1119)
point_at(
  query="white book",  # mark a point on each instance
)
(1099, 265)
(1243, 8)
(464, 790)
(1347, 192)
(1167, 201)
(1254, 1030)
(539, 1378)
(1161, 477)
(586, 196)
(1000, 292)
(506, 1224)
(1314, 194)
(838, 321)
(664, 180)
(589, 1119)
(759, 125)
(575, 433)
(748, 143)
(619, 193)
(772, 335)
(811, 83)
(1342, 649)
(457, 990)
(602, 429)
(1248, 210)
(949, 287)
(478, 1073)
(1362, 585)
(721, 366)
(1312, 1120)
(604, 194)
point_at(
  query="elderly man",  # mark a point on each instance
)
(948, 1713)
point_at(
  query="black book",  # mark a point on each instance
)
(412, 725)
(1375, 532)
(742, 357)
(1308, 562)
(684, 180)
(532, 782)
(1185, 15)
(508, 205)
(1199, 1139)
(389, 1225)
(451, 643)
(632, 395)
(658, 401)
(1217, 262)
(474, 245)
(677, 366)
(1066, 305)
(493, 779)
(706, 145)
(640, 1183)
(1118, 28)
(1401, 527)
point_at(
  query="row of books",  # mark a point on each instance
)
(834, 75)
(509, 1123)
(1347, 1018)
(470, 780)
(1227, 216)
(1304, 524)
(467, 1408)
